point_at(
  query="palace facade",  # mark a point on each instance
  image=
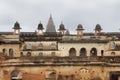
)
(59, 55)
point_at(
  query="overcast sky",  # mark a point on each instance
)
(71, 12)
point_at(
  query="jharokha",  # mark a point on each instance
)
(58, 55)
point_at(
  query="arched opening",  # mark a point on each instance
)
(40, 54)
(112, 45)
(93, 52)
(28, 54)
(5, 51)
(113, 53)
(72, 52)
(50, 75)
(16, 75)
(83, 52)
(11, 52)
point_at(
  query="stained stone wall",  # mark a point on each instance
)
(61, 72)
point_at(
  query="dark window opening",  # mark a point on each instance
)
(72, 52)
(93, 52)
(102, 52)
(4, 51)
(11, 52)
(83, 52)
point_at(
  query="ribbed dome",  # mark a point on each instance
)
(80, 27)
(16, 25)
(40, 26)
(61, 27)
(98, 27)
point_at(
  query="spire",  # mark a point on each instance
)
(50, 25)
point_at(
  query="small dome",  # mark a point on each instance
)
(98, 27)
(80, 27)
(61, 27)
(16, 25)
(40, 26)
(67, 32)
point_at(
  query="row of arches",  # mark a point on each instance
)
(29, 54)
(11, 52)
(83, 52)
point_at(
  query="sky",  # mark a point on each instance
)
(29, 13)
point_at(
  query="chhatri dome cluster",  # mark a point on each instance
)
(51, 28)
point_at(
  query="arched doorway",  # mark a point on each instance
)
(93, 52)
(72, 52)
(83, 52)
(16, 75)
(50, 75)
(11, 52)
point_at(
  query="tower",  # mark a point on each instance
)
(50, 26)
(97, 29)
(62, 29)
(16, 28)
(40, 29)
(79, 30)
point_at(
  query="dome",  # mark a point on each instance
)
(16, 25)
(61, 27)
(67, 32)
(40, 26)
(98, 27)
(80, 27)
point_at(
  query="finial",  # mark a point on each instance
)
(40, 21)
(50, 15)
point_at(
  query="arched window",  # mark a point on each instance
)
(72, 52)
(93, 52)
(113, 53)
(5, 51)
(40, 54)
(83, 52)
(11, 52)
(112, 45)
(28, 54)
(16, 75)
